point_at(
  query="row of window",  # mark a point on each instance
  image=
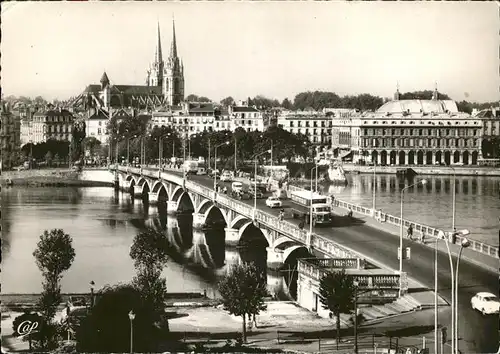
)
(312, 131)
(313, 124)
(422, 132)
(424, 143)
(53, 119)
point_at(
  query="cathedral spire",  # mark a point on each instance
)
(173, 47)
(159, 56)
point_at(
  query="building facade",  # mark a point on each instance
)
(420, 132)
(246, 117)
(49, 124)
(9, 138)
(316, 126)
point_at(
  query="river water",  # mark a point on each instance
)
(477, 201)
(103, 224)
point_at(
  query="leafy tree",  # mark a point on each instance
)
(54, 255)
(336, 291)
(196, 98)
(91, 144)
(107, 327)
(149, 253)
(286, 104)
(263, 102)
(243, 290)
(422, 95)
(78, 134)
(22, 322)
(228, 101)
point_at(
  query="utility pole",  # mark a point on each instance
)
(235, 150)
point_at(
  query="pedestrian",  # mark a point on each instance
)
(422, 237)
(410, 232)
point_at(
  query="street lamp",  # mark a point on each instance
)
(374, 187)
(92, 293)
(356, 293)
(131, 316)
(464, 244)
(255, 181)
(454, 198)
(215, 163)
(423, 182)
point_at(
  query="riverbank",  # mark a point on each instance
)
(427, 170)
(51, 178)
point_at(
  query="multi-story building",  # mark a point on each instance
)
(316, 126)
(490, 128)
(48, 124)
(420, 132)
(9, 138)
(247, 117)
(195, 117)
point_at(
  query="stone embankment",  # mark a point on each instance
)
(59, 177)
(427, 170)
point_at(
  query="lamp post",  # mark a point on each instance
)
(92, 293)
(131, 316)
(31, 154)
(453, 199)
(235, 153)
(464, 244)
(423, 182)
(311, 209)
(374, 187)
(356, 293)
(255, 181)
(209, 148)
(215, 163)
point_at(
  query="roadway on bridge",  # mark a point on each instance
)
(480, 332)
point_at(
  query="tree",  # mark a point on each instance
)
(228, 101)
(54, 255)
(27, 326)
(107, 327)
(91, 144)
(243, 290)
(78, 134)
(196, 98)
(149, 253)
(286, 104)
(336, 291)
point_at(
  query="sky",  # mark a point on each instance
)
(242, 49)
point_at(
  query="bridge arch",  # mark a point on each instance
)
(185, 203)
(177, 193)
(157, 186)
(131, 186)
(288, 251)
(282, 241)
(239, 221)
(251, 234)
(211, 210)
(129, 178)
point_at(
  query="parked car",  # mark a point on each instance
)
(237, 186)
(201, 171)
(260, 195)
(486, 303)
(273, 202)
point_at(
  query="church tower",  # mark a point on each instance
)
(155, 72)
(173, 75)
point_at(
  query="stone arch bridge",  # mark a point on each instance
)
(243, 223)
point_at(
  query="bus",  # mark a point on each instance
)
(321, 208)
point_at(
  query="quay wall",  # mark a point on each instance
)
(58, 177)
(427, 170)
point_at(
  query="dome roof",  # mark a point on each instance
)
(417, 106)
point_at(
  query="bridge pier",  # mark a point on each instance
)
(137, 191)
(125, 187)
(232, 236)
(172, 207)
(274, 258)
(153, 197)
(198, 220)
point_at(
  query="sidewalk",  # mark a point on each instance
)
(489, 263)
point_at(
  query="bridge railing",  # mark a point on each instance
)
(428, 231)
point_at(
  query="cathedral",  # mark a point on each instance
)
(164, 86)
(168, 75)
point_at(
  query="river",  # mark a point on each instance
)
(477, 201)
(103, 224)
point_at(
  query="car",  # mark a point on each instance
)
(273, 202)
(486, 303)
(260, 195)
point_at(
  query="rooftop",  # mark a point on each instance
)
(419, 106)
